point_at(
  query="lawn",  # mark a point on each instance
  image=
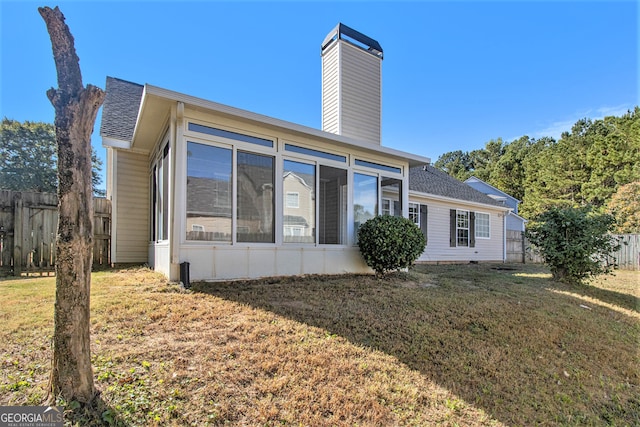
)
(440, 345)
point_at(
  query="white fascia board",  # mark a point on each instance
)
(413, 159)
(143, 102)
(418, 194)
(115, 143)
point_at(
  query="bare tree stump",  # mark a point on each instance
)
(76, 108)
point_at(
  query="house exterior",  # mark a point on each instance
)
(460, 223)
(240, 195)
(514, 221)
(234, 194)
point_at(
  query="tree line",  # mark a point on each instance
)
(29, 158)
(596, 165)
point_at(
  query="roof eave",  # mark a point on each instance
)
(453, 199)
(150, 91)
(497, 189)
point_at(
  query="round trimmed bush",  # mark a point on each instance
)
(389, 243)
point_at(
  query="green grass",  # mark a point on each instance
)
(440, 345)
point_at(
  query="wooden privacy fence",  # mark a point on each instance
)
(28, 227)
(515, 246)
(627, 257)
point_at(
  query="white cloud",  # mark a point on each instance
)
(555, 129)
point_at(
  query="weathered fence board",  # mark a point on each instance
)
(28, 227)
(628, 256)
(515, 246)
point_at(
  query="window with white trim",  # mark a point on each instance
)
(230, 186)
(160, 194)
(299, 211)
(462, 228)
(293, 199)
(414, 213)
(365, 199)
(387, 207)
(209, 192)
(482, 225)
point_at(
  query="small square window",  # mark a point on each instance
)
(293, 200)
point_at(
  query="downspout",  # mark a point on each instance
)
(504, 237)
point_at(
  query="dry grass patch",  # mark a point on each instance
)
(500, 339)
(447, 345)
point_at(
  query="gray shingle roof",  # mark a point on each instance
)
(120, 109)
(431, 180)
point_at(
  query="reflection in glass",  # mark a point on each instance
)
(332, 215)
(255, 198)
(299, 210)
(208, 193)
(391, 196)
(231, 135)
(365, 199)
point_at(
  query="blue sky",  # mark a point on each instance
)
(455, 74)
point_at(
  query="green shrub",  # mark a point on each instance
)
(390, 243)
(574, 242)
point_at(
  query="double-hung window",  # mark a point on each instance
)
(482, 225)
(414, 213)
(462, 232)
(462, 228)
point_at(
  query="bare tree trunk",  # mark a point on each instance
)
(76, 108)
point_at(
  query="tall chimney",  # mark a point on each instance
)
(352, 85)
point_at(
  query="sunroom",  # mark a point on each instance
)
(239, 195)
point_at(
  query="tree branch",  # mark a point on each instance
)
(64, 54)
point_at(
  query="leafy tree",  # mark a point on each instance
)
(508, 172)
(483, 161)
(574, 242)
(390, 243)
(586, 166)
(556, 174)
(613, 156)
(28, 158)
(479, 163)
(625, 207)
(534, 191)
(455, 163)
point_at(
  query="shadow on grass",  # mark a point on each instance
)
(96, 413)
(619, 299)
(501, 342)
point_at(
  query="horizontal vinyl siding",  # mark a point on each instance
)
(438, 249)
(361, 97)
(132, 207)
(330, 91)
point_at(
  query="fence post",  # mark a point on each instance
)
(17, 234)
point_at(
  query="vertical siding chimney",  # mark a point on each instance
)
(352, 85)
